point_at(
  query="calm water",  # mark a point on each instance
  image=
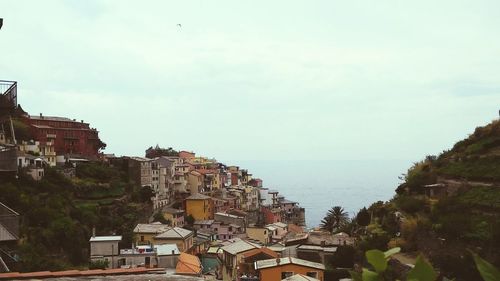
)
(319, 185)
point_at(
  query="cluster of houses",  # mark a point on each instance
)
(211, 193)
(215, 219)
(287, 253)
(223, 220)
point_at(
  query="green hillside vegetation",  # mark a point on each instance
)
(58, 214)
(444, 228)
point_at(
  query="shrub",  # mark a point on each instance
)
(410, 204)
(99, 264)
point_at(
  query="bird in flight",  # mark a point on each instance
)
(179, 25)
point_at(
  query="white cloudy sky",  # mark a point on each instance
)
(246, 80)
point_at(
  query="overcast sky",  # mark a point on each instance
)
(246, 80)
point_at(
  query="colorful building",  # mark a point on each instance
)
(183, 238)
(195, 182)
(200, 207)
(233, 256)
(144, 233)
(175, 216)
(68, 135)
(247, 265)
(279, 269)
(261, 234)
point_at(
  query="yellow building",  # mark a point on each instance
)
(175, 216)
(261, 234)
(200, 207)
(158, 234)
(144, 233)
(183, 238)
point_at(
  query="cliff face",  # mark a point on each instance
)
(448, 204)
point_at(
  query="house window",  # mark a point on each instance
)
(286, 274)
(313, 274)
(142, 238)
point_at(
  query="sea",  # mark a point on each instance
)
(318, 185)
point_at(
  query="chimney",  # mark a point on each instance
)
(323, 243)
(41, 116)
(82, 121)
(173, 252)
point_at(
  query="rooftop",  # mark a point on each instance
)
(167, 249)
(174, 232)
(171, 210)
(300, 277)
(287, 260)
(263, 250)
(51, 118)
(280, 224)
(140, 159)
(228, 215)
(198, 197)
(188, 264)
(317, 248)
(151, 228)
(105, 238)
(204, 222)
(239, 246)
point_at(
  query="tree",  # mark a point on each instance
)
(335, 218)
(363, 217)
(189, 220)
(160, 218)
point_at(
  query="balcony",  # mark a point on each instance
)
(9, 90)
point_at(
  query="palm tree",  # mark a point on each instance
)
(335, 218)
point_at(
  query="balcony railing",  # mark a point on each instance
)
(9, 90)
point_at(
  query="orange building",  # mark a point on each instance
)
(188, 265)
(200, 207)
(281, 268)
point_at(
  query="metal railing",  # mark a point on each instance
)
(9, 89)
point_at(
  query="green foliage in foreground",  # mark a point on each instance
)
(422, 271)
(57, 220)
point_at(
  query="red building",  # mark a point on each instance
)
(70, 137)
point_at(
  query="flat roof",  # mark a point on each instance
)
(287, 260)
(151, 228)
(167, 249)
(229, 215)
(105, 238)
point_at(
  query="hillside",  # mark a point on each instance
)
(58, 214)
(447, 205)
